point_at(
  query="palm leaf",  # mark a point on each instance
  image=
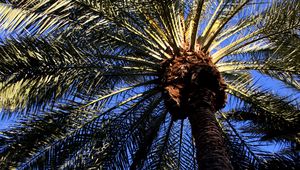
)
(88, 75)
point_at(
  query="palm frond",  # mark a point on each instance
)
(260, 33)
(76, 127)
(22, 21)
(244, 156)
(225, 14)
(275, 117)
(194, 22)
(142, 152)
(27, 69)
(156, 155)
(282, 161)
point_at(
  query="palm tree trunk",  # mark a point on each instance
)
(211, 151)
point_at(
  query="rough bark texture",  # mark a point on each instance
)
(211, 151)
(194, 88)
(183, 75)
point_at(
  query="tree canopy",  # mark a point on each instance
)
(83, 80)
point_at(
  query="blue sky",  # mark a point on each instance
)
(5, 123)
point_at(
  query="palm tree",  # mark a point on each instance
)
(141, 84)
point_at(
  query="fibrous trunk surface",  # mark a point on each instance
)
(194, 88)
(183, 75)
(211, 151)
